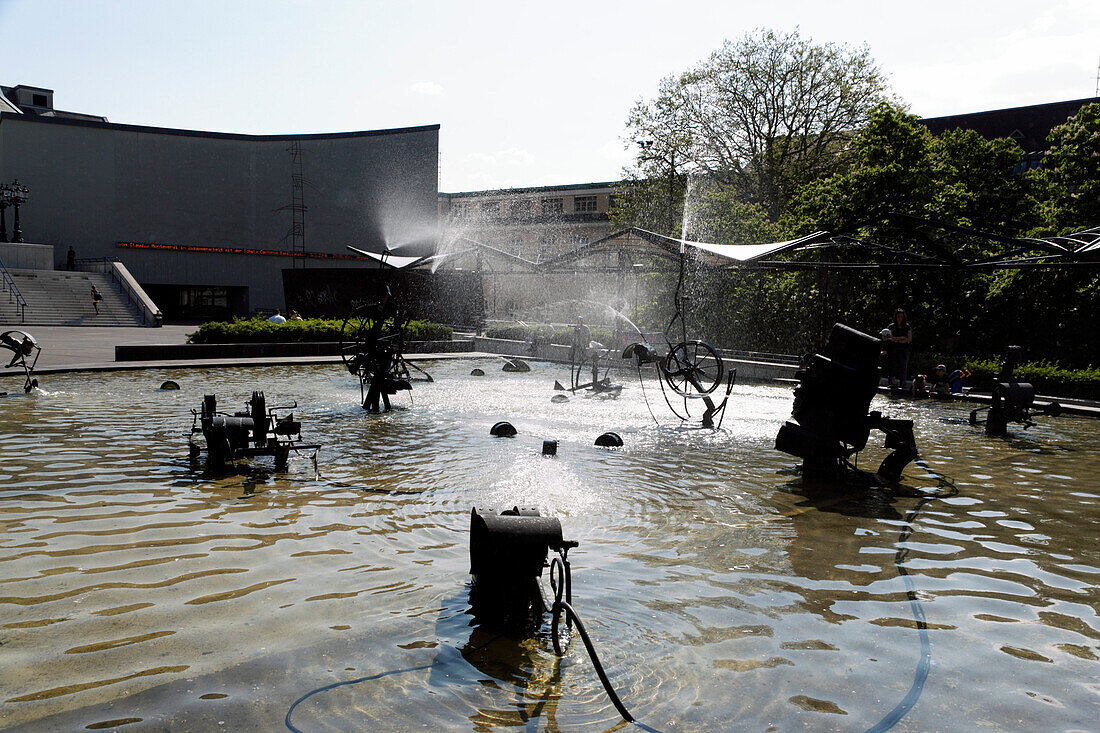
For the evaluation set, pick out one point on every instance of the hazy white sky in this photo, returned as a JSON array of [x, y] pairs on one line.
[[526, 93]]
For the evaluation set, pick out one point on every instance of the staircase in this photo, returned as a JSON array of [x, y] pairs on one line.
[[63, 298]]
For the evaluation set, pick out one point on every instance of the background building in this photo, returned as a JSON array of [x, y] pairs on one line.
[[506, 232], [207, 222], [1028, 126]]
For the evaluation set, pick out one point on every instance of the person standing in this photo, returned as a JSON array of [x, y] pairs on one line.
[[897, 349], [96, 298], [70, 259]]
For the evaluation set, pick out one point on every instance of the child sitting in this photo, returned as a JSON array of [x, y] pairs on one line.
[[941, 383]]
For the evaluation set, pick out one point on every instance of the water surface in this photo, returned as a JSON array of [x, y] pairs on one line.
[[139, 594]]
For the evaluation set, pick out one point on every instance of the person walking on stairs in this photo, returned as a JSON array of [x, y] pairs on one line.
[[96, 297]]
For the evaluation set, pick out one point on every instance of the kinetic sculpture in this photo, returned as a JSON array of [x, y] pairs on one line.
[[693, 370], [22, 346], [831, 411], [257, 431], [372, 346], [585, 353], [1011, 401]]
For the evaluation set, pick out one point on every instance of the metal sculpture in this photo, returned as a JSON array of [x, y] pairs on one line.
[[1011, 401], [257, 431], [584, 353], [372, 346], [508, 553], [831, 404], [23, 346], [692, 369]]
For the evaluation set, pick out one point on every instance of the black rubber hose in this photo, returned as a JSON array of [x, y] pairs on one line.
[[572, 617]]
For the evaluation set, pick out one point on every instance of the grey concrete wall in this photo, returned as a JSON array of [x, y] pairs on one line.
[[26, 256], [93, 185], [746, 369]]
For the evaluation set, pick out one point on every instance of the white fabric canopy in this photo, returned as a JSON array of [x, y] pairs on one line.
[[746, 252]]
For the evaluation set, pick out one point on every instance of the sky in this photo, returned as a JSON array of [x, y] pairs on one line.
[[526, 94]]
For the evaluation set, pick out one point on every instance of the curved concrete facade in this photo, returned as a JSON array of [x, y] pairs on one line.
[[96, 186]]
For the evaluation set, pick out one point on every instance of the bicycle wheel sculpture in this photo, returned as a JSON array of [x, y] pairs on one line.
[[372, 343], [692, 369], [23, 346]]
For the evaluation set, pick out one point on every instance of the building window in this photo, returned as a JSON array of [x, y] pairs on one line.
[[491, 208], [519, 208], [204, 297], [552, 206], [460, 210], [39, 100], [583, 204]]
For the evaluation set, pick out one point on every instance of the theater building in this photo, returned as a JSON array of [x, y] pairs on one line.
[[208, 222]]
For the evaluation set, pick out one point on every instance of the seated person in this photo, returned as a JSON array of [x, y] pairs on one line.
[[955, 379], [941, 383], [919, 387]]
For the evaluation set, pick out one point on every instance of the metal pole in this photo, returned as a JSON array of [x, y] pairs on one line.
[[671, 193]]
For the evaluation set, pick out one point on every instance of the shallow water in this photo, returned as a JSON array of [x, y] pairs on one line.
[[136, 593]]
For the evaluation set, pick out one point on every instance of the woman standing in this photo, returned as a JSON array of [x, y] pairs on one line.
[[897, 349]]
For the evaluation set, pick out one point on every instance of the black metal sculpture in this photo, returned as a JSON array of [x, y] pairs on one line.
[[257, 431], [372, 346], [23, 346], [584, 354], [831, 415], [1011, 401], [693, 370], [508, 552]]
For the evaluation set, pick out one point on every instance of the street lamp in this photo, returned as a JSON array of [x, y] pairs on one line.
[[18, 195], [647, 146], [5, 202]]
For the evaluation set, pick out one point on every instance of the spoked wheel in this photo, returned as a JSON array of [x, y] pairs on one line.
[[693, 368], [369, 328]]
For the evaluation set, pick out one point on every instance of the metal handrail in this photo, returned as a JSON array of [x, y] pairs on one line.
[[14, 295], [135, 295], [760, 356]]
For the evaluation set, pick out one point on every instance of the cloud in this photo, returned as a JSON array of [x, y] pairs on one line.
[[426, 89]]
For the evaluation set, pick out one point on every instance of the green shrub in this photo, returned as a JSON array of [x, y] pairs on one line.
[[260, 330]]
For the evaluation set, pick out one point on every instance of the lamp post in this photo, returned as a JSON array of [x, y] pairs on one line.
[[5, 201], [646, 146], [18, 197]]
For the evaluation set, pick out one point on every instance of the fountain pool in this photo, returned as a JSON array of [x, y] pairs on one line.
[[137, 594]]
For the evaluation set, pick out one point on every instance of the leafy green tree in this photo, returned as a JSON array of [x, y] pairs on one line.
[[1072, 168], [763, 115], [957, 178]]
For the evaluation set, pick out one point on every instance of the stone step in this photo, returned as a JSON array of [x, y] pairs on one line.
[[64, 299]]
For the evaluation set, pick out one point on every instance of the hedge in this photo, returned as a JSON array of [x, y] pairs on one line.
[[260, 330]]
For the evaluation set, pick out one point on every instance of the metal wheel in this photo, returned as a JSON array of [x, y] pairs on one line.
[[693, 368], [370, 328]]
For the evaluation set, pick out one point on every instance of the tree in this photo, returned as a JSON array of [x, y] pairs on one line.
[[962, 179], [1072, 167], [763, 115]]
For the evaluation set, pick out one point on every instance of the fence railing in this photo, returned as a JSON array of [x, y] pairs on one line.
[[7, 283], [127, 285]]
